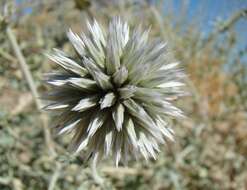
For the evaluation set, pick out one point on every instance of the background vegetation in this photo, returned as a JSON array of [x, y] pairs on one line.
[[210, 149]]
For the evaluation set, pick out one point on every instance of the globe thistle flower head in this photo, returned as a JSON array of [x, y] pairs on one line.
[[116, 95]]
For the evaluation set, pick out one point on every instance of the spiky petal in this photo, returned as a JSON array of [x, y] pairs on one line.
[[117, 99]]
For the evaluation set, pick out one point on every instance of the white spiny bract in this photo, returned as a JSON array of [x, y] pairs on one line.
[[116, 95]]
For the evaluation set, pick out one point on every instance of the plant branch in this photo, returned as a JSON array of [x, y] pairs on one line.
[[7, 56], [55, 177], [23, 66], [27, 74], [225, 26]]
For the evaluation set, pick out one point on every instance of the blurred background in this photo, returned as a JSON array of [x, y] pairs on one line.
[[208, 37]]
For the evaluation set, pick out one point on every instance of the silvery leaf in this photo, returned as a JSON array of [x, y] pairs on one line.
[[118, 116]]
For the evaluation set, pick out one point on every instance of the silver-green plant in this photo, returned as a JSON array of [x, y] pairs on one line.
[[116, 95]]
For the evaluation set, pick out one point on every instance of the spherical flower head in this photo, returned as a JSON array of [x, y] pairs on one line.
[[116, 95]]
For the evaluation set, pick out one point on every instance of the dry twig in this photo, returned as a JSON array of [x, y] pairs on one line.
[[225, 26], [23, 66], [44, 118]]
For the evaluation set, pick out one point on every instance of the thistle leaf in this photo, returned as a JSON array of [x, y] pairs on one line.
[[86, 103], [69, 127], [120, 76], [96, 122], [118, 116], [129, 125], [108, 142], [68, 64], [108, 100], [83, 83], [77, 42], [101, 79], [127, 91]]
